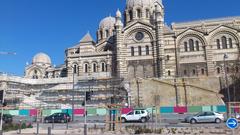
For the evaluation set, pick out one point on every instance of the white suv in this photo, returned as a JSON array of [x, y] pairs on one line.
[[136, 115]]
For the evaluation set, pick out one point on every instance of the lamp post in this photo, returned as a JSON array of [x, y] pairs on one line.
[[73, 79], [225, 56]]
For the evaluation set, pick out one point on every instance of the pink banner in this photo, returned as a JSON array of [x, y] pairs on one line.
[[33, 112], [79, 112], [126, 110], [180, 109]]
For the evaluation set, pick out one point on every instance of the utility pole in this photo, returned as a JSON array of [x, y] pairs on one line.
[[226, 82]]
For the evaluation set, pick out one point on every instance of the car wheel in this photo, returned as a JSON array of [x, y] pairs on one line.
[[193, 121], [218, 120], [46, 121], [62, 121], [123, 120], [143, 120]]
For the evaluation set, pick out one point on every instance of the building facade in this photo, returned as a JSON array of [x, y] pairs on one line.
[[138, 44]]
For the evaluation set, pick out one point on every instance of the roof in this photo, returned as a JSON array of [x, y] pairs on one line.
[[87, 38]]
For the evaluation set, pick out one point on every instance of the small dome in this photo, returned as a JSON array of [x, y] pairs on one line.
[[142, 3], [107, 23], [41, 58]]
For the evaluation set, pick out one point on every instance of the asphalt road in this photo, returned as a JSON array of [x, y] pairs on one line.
[[165, 120]]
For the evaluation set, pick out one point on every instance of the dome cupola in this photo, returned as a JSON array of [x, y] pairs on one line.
[[106, 27], [41, 58]]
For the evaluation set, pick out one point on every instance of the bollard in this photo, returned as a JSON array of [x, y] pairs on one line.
[[20, 127], [49, 131], [67, 123], [37, 127], [52, 122], [85, 129]]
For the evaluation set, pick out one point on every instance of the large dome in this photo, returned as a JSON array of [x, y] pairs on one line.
[[41, 58], [107, 23], [142, 3]]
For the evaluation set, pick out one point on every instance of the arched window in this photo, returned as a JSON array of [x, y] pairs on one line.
[[218, 44], [147, 50], [202, 71], [169, 73], [168, 57], [35, 72], [230, 43], [94, 67], [218, 70], [101, 35], [147, 13], [237, 69], [85, 68], [191, 45], [130, 15], [228, 70], [185, 72], [139, 50], [107, 33], [197, 46], [132, 51], [185, 46], [224, 42], [194, 72], [139, 15], [75, 69], [103, 67]]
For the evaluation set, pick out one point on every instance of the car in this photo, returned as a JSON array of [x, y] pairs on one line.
[[203, 117], [140, 115], [7, 118], [58, 117]]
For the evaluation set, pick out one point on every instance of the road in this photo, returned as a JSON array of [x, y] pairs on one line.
[[166, 120]]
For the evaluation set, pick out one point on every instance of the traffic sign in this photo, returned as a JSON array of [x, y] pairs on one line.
[[232, 123]]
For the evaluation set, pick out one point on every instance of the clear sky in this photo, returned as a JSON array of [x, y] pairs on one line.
[[50, 26]]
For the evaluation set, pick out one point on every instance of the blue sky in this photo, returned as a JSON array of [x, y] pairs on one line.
[[50, 26]]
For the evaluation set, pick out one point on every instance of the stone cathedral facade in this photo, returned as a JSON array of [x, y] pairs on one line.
[[137, 43]]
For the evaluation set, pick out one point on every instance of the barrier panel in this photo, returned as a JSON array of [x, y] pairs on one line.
[[206, 108], [166, 110], [180, 109], [126, 110], [79, 112], [13, 112], [151, 110], [33, 112], [101, 111], [5, 111], [24, 112], [194, 109], [214, 108], [91, 111], [46, 112], [69, 111], [56, 111]]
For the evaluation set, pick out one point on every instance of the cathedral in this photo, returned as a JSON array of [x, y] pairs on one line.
[[138, 44]]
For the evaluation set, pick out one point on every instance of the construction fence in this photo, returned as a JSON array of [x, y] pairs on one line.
[[103, 111]]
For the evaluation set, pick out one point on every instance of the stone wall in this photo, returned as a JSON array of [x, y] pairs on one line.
[[183, 91]]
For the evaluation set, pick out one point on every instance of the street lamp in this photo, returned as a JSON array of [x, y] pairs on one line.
[[225, 56], [73, 79]]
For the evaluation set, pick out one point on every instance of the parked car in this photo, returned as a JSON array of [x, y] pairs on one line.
[[205, 117], [141, 115], [58, 117], [7, 118]]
